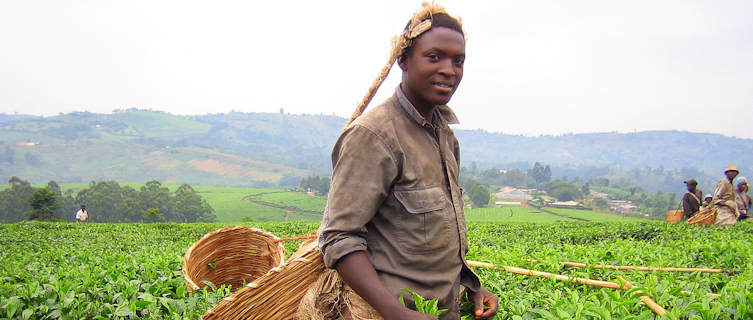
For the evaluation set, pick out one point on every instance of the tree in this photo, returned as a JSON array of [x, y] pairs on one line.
[[191, 207], [152, 215], [14, 202], [600, 203], [479, 196], [564, 191], [43, 203], [316, 183], [586, 189], [540, 173]]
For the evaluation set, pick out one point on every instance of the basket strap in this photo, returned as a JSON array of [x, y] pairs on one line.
[[304, 237], [695, 197]]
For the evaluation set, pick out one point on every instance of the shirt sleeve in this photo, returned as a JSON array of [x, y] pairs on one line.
[[686, 205], [364, 170]]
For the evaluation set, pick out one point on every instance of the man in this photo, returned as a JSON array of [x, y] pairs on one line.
[[724, 198], [707, 200], [394, 215], [742, 198], [691, 201], [82, 215]]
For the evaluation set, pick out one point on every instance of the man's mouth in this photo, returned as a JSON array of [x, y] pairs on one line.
[[443, 85]]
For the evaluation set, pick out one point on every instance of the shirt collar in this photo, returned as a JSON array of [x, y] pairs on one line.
[[442, 113]]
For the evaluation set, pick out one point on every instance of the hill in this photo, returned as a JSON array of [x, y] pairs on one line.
[[277, 149]]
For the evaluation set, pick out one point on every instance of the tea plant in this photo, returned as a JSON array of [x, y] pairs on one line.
[[129, 271]]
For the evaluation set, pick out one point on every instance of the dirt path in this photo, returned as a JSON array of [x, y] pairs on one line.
[[288, 210], [525, 204]]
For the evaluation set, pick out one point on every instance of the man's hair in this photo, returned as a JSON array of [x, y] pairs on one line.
[[439, 20], [431, 16]]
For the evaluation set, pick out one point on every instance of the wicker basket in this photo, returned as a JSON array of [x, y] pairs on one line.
[[705, 217], [231, 256], [275, 295], [674, 216]]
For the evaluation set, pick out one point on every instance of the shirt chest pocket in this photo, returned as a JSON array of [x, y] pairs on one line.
[[424, 227]]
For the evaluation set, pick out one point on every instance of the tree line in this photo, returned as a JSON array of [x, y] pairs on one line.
[[564, 189], [106, 201]]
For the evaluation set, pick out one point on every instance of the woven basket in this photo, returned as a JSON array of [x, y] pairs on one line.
[[705, 217], [674, 216], [275, 295], [231, 256]]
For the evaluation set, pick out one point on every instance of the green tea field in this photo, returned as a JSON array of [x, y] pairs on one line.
[[129, 271]]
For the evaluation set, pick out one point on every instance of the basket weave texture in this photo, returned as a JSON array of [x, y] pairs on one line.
[[275, 295], [674, 216], [705, 217], [231, 256]]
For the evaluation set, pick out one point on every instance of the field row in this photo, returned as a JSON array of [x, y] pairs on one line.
[[108, 271]]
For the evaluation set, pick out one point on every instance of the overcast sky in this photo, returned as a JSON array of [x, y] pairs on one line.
[[533, 67]]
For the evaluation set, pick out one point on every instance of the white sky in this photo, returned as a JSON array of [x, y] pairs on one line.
[[533, 67]]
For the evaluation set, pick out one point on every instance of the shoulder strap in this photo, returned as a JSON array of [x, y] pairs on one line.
[[694, 197]]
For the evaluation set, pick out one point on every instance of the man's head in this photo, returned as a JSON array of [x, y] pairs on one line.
[[708, 197], [691, 185], [731, 172], [742, 184], [425, 86], [433, 63], [83, 207]]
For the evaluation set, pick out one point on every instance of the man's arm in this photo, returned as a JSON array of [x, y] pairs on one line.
[[358, 272], [686, 205]]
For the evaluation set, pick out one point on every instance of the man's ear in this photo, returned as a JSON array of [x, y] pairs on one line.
[[401, 62]]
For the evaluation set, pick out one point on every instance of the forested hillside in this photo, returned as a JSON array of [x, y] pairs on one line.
[[279, 149]]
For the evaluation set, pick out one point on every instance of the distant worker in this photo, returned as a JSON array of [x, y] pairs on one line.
[[691, 201], [724, 198], [742, 198], [82, 215], [707, 200]]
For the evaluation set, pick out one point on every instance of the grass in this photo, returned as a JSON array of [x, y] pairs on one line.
[[519, 214], [229, 204], [592, 215], [293, 199]]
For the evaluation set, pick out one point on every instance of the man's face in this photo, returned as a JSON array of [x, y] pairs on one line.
[[434, 67], [691, 187], [731, 174]]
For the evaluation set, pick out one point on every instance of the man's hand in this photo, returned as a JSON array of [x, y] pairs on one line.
[[480, 299], [358, 272]]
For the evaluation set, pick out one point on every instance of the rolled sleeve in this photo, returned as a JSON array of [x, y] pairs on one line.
[[363, 172]]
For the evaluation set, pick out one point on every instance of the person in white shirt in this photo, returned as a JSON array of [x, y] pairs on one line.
[[82, 215]]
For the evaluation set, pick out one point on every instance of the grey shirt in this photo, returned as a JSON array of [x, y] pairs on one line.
[[395, 196]]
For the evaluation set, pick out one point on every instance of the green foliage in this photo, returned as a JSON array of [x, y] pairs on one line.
[[43, 202], [540, 174], [315, 183], [599, 203], [423, 305], [564, 191], [152, 215], [106, 201], [14, 200], [516, 214], [108, 271], [479, 196]]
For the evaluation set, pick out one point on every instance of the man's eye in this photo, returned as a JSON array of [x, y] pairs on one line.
[[433, 57], [459, 62]]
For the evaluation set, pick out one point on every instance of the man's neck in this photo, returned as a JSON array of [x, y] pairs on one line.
[[424, 109]]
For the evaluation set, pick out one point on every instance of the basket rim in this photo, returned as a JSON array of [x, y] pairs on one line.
[[188, 254]]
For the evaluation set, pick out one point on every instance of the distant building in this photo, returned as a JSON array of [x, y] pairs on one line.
[[507, 203], [621, 206], [26, 144], [596, 194], [512, 193]]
